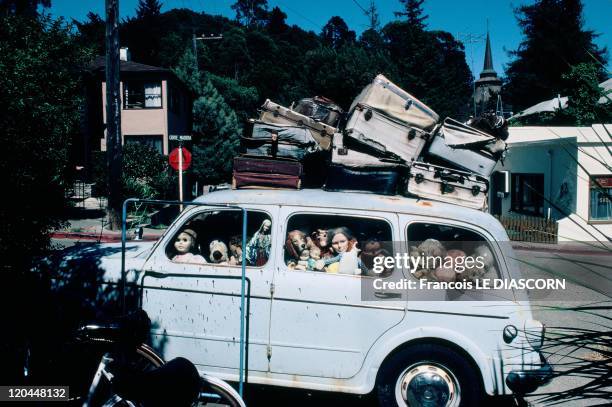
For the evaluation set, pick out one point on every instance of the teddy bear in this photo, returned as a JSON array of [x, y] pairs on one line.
[[218, 252], [428, 248]]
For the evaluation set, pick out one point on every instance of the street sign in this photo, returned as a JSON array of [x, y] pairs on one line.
[[179, 137], [174, 159]]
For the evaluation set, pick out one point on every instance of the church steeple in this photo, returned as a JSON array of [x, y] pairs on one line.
[[488, 86], [487, 69]]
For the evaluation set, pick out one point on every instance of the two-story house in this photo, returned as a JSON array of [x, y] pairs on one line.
[[154, 105]]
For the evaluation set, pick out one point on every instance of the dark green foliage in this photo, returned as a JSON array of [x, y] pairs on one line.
[[26, 8], [433, 67], [554, 40], [146, 173], [40, 95], [413, 12], [91, 33], [336, 34], [216, 127], [251, 12], [581, 86], [148, 8], [276, 22]]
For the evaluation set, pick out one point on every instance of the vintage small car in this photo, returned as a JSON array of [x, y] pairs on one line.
[[333, 331]]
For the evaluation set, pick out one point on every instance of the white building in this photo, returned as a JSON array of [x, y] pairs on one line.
[[564, 173]]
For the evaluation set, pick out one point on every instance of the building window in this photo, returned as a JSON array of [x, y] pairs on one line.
[[153, 141], [528, 194], [142, 95], [600, 198], [174, 99]]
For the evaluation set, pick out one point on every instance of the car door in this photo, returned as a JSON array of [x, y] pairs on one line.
[[322, 324], [195, 307]]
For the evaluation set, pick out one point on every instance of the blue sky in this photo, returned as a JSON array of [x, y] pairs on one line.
[[459, 18]]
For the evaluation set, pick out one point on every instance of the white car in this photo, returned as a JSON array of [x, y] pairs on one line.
[[323, 328]]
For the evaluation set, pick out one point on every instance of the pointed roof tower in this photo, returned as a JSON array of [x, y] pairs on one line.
[[488, 84], [487, 69]]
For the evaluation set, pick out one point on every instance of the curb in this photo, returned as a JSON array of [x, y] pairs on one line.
[[585, 252], [102, 238]]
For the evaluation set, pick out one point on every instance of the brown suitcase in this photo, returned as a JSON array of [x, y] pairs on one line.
[[254, 180], [267, 166], [274, 113]]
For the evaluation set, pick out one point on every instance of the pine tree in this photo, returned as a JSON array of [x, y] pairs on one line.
[[554, 40], [250, 12], [148, 8], [336, 33], [215, 126], [413, 11]]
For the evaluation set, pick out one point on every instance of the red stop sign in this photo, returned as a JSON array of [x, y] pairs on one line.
[[173, 158]]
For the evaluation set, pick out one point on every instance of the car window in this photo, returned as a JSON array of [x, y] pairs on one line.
[[215, 237], [336, 243], [449, 253]]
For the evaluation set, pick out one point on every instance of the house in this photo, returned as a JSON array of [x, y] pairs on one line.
[[561, 173], [154, 105]]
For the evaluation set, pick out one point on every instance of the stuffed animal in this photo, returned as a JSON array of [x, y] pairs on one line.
[[319, 239], [431, 248], [294, 246], [373, 249], [218, 252], [235, 250]]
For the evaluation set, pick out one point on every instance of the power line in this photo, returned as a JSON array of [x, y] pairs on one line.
[[302, 16]]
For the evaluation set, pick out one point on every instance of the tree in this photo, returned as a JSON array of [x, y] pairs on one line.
[[276, 22], [413, 11], [27, 8], [215, 126], [92, 33], [250, 12], [40, 95], [336, 33], [554, 40], [148, 8]]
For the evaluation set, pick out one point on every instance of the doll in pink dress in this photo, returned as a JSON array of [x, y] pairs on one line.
[[185, 245]]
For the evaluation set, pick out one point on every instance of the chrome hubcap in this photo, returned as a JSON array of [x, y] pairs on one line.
[[427, 385]]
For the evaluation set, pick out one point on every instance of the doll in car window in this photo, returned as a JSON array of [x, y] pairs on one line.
[[345, 258], [186, 247], [258, 248]]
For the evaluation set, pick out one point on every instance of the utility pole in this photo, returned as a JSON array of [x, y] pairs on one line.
[[209, 37], [471, 38], [113, 114]]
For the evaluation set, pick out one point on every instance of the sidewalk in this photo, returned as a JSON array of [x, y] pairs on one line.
[[578, 248], [88, 223]]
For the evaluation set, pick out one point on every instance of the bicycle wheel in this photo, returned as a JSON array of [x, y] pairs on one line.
[[219, 392]]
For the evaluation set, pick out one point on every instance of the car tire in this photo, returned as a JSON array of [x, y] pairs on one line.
[[428, 375]]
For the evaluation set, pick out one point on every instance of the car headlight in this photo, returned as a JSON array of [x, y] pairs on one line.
[[534, 332]]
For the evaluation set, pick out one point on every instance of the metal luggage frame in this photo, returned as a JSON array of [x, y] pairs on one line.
[[245, 292]]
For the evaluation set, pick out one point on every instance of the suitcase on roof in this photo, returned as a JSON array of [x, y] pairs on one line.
[[378, 180], [351, 157], [320, 109], [278, 141], [387, 136], [464, 147], [276, 114], [257, 172], [388, 98], [447, 185]]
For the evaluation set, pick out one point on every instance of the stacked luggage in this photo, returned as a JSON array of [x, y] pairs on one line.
[[286, 148], [391, 143]]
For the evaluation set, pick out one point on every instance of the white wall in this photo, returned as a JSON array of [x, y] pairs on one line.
[[566, 156]]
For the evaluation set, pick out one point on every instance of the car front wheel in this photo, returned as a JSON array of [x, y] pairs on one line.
[[428, 375]]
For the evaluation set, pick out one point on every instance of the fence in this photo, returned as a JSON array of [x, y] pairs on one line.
[[530, 229]]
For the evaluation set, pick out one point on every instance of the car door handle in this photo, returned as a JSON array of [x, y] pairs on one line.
[[383, 294]]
